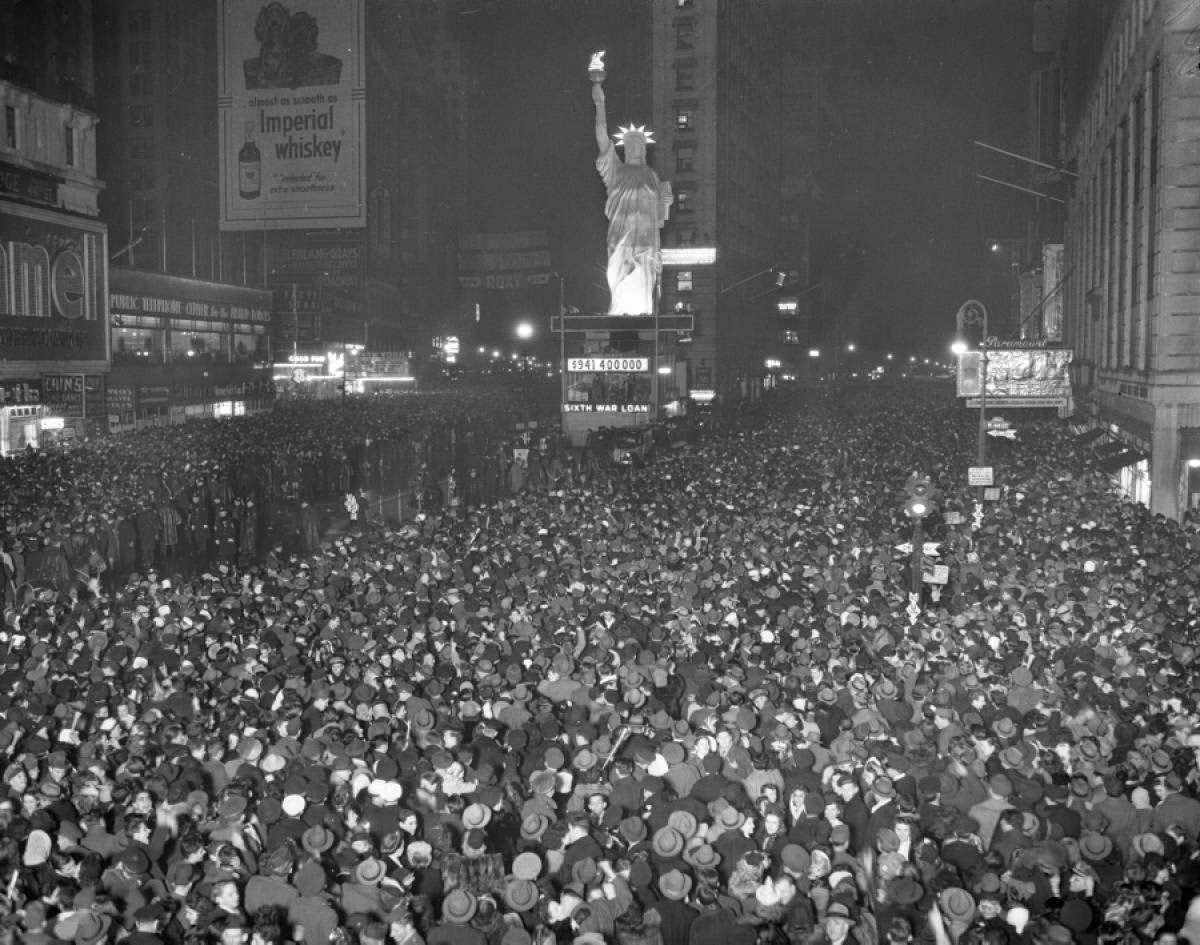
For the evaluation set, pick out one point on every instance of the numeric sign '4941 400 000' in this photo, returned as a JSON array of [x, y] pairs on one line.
[[609, 364]]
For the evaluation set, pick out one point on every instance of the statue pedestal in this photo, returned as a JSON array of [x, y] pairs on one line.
[[618, 370]]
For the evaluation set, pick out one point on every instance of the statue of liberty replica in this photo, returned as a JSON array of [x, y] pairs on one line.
[[637, 207]]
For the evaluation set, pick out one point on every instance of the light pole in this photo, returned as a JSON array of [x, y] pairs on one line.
[[970, 314], [524, 332]]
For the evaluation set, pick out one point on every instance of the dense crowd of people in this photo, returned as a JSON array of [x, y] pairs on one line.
[[225, 491], [682, 706]]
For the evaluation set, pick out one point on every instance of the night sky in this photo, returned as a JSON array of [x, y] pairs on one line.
[[910, 84]]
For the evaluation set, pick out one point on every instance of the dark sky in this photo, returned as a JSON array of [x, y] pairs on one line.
[[911, 82]]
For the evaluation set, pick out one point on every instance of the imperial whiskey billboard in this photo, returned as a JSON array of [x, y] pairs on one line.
[[291, 110]]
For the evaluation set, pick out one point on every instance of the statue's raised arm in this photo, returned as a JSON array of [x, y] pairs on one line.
[[596, 73], [602, 139]]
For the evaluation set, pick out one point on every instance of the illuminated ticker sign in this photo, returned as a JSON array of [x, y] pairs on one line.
[[614, 365]]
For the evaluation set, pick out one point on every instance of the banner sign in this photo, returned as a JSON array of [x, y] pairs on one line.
[[503, 260], [606, 408], [52, 304], [291, 110], [1018, 376]]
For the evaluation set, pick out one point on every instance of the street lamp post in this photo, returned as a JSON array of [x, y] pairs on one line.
[[981, 448], [524, 332], [970, 314]]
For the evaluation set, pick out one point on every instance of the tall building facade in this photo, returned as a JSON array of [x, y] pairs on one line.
[[1133, 291], [53, 245], [717, 95]]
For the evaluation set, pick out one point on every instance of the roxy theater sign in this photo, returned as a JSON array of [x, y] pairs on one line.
[[41, 282]]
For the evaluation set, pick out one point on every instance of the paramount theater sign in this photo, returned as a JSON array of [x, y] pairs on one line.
[[51, 281]]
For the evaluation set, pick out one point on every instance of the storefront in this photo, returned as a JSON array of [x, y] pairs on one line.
[[53, 316], [184, 349]]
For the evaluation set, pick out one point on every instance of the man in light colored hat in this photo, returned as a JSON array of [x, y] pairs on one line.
[[677, 915]]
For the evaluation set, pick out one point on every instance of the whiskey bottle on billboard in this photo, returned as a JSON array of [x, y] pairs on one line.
[[249, 167]]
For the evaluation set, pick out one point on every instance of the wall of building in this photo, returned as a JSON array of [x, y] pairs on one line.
[[716, 105], [1133, 305]]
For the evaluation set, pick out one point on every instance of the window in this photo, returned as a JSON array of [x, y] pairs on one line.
[[140, 149], [144, 210], [683, 4], [685, 160], [685, 78], [141, 83], [683, 280], [69, 142], [139, 21], [140, 177], [683, 202], [685, 237], [141, 116], [685, 34], [684, 121], [791, 336], [10, 126], [140, 54]]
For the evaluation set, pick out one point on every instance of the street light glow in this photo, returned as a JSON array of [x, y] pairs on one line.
[[889, 355], [959, 347], [524, 331], [852, 347]]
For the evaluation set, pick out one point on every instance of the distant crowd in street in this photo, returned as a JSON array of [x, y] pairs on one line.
[[594, 703]]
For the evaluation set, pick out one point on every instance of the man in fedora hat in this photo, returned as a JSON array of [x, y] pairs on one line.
[[677, 915], [837, 926], [458, 908]]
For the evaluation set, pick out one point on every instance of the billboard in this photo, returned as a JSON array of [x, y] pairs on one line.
[[503, 260], [317, 275], [52, 297], [1018, 377], [291, 108]]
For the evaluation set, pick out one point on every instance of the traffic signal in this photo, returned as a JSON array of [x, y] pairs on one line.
[[919, 501]]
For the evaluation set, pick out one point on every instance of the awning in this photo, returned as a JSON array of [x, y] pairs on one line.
[[1119, 461], [1090, 436]]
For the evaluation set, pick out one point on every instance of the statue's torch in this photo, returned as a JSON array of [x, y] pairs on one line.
[[596, 67]]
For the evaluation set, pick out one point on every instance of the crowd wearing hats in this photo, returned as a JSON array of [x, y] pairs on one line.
[[688, 707], [214, 492]]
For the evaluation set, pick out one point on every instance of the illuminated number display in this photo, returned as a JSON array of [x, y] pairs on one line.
[[613, 365]]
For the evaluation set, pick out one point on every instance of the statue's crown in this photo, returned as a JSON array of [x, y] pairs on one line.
[[640, 130]]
